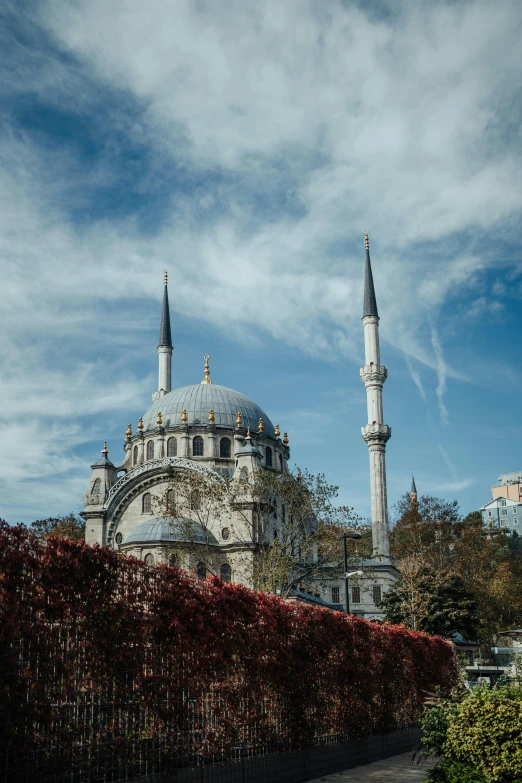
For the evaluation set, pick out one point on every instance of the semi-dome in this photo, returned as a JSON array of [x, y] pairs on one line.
[[198, 399], [164, 530]]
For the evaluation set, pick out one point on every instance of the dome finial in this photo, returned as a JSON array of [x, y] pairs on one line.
[[206, 379], [211, 417], [239, 419], [184, 417], [159, 419], [248, 436], [366, 242], [128, 433], [140, 424], [261, 425], [165, 277], [105, 450], [277, 431], [285, 438]]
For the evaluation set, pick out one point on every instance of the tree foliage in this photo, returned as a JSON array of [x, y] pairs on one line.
[[65, 526], [480, 572]]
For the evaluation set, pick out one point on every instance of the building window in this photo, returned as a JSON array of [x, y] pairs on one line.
[[149, 559], [268, 457], [515, 521], [96, 487], [201, 570], [197, 446], [224, 448], [503, 512], [376, 590], [146, 505], [119, 538], [150, 449], [335, 595], [225, 534], [171, 502], [226, 573], [515, 510], [172, 447], [490, 513], [281, 462], [503, 503], [356, 595], [173, 561], [135, 455]]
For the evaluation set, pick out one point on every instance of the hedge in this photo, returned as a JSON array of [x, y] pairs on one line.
[[111, 669]]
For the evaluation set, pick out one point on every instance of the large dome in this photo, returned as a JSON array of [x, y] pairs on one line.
[[163, 530], [198, 399]]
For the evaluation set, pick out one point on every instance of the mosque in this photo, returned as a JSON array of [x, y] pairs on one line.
[[207, 431]]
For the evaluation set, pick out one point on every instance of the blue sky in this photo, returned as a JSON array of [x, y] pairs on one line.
[[246, 147]]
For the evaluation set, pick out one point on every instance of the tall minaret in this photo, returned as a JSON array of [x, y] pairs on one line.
[[413, 493], [375, 433], [164, 346]]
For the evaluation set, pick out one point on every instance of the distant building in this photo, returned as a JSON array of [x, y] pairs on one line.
[[505, 510]]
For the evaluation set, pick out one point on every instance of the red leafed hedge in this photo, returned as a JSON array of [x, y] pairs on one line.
[[110, 669]]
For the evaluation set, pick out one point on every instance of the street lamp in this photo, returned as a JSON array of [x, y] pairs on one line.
[[346, 535]]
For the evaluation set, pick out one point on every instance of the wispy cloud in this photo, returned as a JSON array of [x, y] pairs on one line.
[[441, 374]]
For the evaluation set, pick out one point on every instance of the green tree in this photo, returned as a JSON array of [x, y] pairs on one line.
[[64, 526], [436, 602]]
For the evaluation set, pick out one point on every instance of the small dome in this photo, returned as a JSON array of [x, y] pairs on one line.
[[198, 399], [165, 530]]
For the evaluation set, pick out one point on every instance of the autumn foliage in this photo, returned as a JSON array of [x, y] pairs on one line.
[[110, 669]]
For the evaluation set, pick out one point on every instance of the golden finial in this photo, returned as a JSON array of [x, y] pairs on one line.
[[140, 424], [159, 420], [239, 419], [285, 438], [277, 431], [261, 425], [206, 379], [184, 417], [366, 242], [105, 450], [165, 277], [128, 433], [248, 436], [211, 418]]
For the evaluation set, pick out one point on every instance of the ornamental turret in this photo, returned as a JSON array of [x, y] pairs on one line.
[[164, 346], [375, 433], [104, 476]]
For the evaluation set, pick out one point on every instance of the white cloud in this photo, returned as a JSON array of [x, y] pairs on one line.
[[303, 124]]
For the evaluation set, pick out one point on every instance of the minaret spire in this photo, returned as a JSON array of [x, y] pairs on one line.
[[413, 492], [164, 345], [375, 433]]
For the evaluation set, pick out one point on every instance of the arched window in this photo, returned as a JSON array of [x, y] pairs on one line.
[[150, 449], [224, 448], [201, 570], [135, 455], [149, 559], [226, 573], [172, 447], [171, 502], [197, 446], [268, 457], [119, 539], [96, 487], [146, 504], [281, 462]]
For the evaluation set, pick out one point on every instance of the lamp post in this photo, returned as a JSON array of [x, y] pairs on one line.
[[346, 535]]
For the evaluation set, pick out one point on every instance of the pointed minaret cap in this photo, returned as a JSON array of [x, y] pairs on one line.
[[370, 302], [413, 487], [165, 336]]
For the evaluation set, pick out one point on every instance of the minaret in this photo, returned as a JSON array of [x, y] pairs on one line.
[[375, 433], [413, 493], [164, 346]]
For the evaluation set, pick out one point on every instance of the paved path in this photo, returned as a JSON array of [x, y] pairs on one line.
[[397, 769]]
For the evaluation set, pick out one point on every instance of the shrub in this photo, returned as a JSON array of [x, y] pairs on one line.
[[486, 733]]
